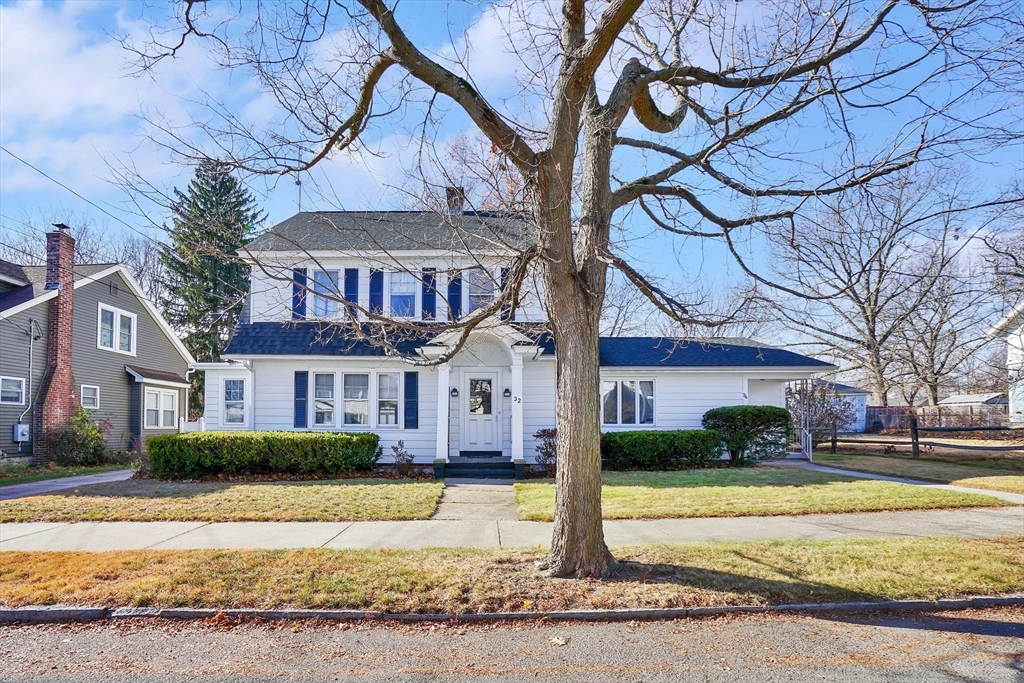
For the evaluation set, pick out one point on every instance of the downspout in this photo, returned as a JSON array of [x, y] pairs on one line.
[[31, 357]]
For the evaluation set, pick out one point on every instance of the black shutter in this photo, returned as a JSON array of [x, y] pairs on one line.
[[377, 291], [301, 394], [299, 294], [412, 400], [455, 297], [508, 311], [429, 297], [352, 288]]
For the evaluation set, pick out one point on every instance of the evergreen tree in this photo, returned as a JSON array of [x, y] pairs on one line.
[[205, 280]]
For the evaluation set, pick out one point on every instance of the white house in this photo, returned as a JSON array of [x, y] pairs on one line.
[[289, 367], [1011, 328], [858, 398]]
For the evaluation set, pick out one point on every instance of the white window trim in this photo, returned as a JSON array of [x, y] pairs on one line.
[[417, 295], [618, 402], [467, 287], [81, 395], [117, 327], [21, 380], [332, 300], [160, 408], [372, 399], [245, 404]]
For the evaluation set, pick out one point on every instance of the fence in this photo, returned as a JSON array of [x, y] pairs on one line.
[[197, 426], [886, 418]]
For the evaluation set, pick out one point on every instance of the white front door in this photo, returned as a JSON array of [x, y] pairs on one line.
[[480, 410]]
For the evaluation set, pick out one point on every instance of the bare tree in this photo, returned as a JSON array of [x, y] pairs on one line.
[[681, 110]]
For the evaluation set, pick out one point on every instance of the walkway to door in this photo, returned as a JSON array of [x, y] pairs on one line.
[[477, 499]]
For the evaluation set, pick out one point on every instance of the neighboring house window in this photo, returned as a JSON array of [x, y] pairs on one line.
[[116, 330], [480, 288], [325, 290], [387, 399], [357, 399], [161, 409], [234, 401], [12, 391], [90, 396], [403, 295], [323, 399], [627, 402]]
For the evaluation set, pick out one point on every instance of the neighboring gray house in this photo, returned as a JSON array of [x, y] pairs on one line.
[[989, 399], [84, 335], [858, 398]]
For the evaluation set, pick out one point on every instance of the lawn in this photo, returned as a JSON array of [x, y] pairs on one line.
[[27, 475], [149, 500], [1005, 475], [744, 491], [465, 580]]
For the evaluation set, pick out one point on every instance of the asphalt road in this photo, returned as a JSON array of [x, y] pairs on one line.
[[982, 645]]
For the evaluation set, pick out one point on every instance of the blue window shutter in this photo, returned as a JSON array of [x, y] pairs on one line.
[[508, 311], [429, 297], [412, 400], [377, 291], [352, 287], [299, 294], [455, 297], [301, 394]]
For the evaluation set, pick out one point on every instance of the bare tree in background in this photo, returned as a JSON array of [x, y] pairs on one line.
[[688, 112]]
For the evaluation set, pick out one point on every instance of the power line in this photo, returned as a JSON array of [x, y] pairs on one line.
[[20, 251]]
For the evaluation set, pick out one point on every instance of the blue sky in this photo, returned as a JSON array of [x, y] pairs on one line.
[[70, 105]]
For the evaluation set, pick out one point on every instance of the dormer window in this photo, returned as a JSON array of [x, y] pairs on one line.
[[325, 293], [480, 288], [403, 295]]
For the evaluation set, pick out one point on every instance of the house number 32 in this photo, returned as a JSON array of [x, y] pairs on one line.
[[517, 399]]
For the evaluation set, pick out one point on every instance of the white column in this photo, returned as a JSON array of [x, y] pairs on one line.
[[443, 427], [517, 407]]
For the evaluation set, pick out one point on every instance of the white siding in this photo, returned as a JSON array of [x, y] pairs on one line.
[[1015, 365], [538, 402], [766, 392], [680, 397]]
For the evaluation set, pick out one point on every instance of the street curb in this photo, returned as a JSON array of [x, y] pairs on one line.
[[58, 614]]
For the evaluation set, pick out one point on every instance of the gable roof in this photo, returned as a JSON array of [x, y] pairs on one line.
[[35, 279], [12, 273], [1009, 322], [394, 231], [842, 388], [960, 399], [311, 338]]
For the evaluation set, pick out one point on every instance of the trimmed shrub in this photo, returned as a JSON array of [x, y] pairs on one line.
[[668, 450], [547, 449], [199, 454], [80, 441], [751, 433]]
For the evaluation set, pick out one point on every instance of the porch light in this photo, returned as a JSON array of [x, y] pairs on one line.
[[455, 392], [507, 393]]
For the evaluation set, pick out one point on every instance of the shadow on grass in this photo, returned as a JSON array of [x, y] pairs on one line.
[[160, 488], [752, 477]]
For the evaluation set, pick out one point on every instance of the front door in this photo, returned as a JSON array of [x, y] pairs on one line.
[[480, 408]]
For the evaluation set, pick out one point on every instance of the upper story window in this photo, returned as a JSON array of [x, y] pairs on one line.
[[325, 293], [403, 295], [116, 330], [12, 390], [479, 289], [627, 402]]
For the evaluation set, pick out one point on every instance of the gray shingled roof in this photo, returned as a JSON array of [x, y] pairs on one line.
[[12, 270], [393, 231], [36, 278]]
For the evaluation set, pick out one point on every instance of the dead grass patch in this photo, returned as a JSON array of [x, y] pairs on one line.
[[149, 500], [471, 580], [995, 475], [748, 491]]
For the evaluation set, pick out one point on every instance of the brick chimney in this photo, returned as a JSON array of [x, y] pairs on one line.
[[58, 392], [456, 199]]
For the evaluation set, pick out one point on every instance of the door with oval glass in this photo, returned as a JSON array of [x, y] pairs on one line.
[[480, 409]]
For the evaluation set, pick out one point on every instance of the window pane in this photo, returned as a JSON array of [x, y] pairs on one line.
[[152, 409], [234, 390], [170, 407], [323, 386], [387, 386], [11, 390], [125, 337], [629, 403], [90, 397], [357, 412], [403, 295], [646, 403], [323, 395], [325, 282], [357, 386], [387, 413], [234, 412], [107, 329], [610, 403], [481, 288], [480, 396]]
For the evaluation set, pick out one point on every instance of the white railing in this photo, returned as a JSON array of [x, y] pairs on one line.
[[197, 426], [806, 443]]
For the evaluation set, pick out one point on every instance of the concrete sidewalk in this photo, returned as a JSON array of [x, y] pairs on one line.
[[37, 488], [1015, 498], [438, 533]]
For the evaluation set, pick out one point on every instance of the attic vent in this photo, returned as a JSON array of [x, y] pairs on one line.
[[113, 287]]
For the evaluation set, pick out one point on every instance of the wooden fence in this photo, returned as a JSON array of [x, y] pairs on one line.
[[889, 418]]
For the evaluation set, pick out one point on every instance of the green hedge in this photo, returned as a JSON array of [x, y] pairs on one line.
[[198, 454], [664, 450], [751, 433]]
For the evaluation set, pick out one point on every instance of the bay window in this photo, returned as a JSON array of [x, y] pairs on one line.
[[627, 402]]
